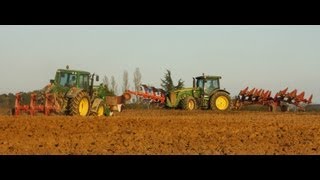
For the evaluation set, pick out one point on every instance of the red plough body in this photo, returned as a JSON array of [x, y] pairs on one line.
[[33, 107], [150, 94], [263, 97]]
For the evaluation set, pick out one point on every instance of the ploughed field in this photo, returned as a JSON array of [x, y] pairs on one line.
[[165, 132]]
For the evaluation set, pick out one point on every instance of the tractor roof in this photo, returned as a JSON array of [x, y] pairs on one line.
[[208, 77], [71, 70]]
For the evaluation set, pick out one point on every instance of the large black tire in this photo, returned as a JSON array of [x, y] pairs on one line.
[[189, 103], [80, 105], [220, 101]]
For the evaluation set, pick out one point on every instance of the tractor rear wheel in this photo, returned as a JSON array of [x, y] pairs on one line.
[[80, 105], [220, 101], [189, 103]]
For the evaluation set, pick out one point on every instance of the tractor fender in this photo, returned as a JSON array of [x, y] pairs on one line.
[[73, 92], [95, 104], [219, 90]]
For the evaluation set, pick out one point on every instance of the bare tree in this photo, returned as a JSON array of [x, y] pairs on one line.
[[137, 79], [106, 87], [106, 82], [137, 82], [125, 81], [113, 85]]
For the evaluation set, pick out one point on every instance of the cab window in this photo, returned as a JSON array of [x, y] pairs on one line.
[[211, 85], [63, 79], [200, 83], [83, 81], [68, 79]]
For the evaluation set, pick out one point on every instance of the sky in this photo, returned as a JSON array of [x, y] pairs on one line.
[[268, 57]]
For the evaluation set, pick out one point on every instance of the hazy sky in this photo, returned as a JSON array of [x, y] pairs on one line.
[[269, 57]]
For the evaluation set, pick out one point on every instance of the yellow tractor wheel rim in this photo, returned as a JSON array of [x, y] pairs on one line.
[[222, 103], [84, 107], [191, 105], [100, 111]]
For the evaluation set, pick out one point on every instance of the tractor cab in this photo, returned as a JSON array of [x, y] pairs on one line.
[[72, 78], [207, 84]]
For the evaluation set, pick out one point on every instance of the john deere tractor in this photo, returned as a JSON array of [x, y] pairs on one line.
[[72, 93], [205, 94]]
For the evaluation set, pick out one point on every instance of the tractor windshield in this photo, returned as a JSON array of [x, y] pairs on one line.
[[208, 85], [211, 84], [68, 79]]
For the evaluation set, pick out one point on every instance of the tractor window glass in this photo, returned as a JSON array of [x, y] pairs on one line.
[[200, 83], [63, 79], [72, 80], [68, 79], [81, 81], [211, 85], [85, 81]]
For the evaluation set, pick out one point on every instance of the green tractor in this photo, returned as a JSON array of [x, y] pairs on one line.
[[205, 94], [72, 93]]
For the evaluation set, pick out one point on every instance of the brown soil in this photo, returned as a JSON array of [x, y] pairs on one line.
[[171, 132]]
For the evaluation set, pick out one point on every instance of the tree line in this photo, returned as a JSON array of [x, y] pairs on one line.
[[166, 83], [112, 87]]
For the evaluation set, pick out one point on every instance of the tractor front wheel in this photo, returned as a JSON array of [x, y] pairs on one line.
[[189, 103], [101, 109]]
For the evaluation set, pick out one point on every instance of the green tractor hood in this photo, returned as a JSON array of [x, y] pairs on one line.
[[174, 97]]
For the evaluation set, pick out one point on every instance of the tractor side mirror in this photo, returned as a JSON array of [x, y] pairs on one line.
[[51, 81], [97, 78]]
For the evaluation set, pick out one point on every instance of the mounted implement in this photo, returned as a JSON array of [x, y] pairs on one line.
[[282, 99], [150, 95]]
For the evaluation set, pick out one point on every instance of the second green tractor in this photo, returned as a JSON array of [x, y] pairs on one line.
[[205, 94]]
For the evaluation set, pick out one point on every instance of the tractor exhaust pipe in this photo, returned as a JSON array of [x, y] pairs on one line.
[[91, 86], [194, 83]]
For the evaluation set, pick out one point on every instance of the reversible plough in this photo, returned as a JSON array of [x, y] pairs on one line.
[[150, 94], [282, 99], [34, 107]]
